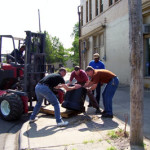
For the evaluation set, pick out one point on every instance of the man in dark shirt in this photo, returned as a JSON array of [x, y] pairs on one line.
[[44, 90], [18, 54], [111, 81]]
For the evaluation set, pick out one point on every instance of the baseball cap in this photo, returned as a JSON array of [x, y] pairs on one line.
[[96, 55], [76, 68]]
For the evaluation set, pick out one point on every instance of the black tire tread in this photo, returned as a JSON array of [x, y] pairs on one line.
[[16, 106]]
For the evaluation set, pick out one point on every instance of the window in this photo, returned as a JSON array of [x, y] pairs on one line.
[[147, 58], [90, 10], [101, 6], [101, 40], [86, 11], [81, 15], [95, 44], [96, 7], [110, 2]]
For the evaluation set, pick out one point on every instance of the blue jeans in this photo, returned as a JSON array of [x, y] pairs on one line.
[[43, 91], [108, 94]]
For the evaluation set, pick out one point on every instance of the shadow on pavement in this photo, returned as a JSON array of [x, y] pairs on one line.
[[91, 123]]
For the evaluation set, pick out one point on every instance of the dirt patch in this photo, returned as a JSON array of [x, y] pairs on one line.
[[119, 139]]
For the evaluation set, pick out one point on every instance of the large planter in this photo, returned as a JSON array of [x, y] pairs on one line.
[[74, 100]]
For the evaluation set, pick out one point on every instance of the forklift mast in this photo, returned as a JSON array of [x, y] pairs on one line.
[[35, 62]]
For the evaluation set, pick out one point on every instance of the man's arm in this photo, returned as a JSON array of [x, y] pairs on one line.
[[71, 78], [84, 75], [90, 86], [68, 88]]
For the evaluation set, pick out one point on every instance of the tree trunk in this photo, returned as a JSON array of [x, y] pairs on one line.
[[136, 62]]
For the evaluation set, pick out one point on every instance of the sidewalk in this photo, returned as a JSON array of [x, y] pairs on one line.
[[86, 131]]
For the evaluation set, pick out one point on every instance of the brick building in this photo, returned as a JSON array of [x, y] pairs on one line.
[[105, 29]]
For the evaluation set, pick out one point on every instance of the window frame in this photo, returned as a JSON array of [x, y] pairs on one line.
[[110, 2], [96, 8], [147, 58], [101, 6], [86, 11], [90, 10], [81, 15]]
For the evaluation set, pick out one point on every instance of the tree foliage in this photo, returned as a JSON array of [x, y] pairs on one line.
[[55, 52], [54, 49], [75, 45]]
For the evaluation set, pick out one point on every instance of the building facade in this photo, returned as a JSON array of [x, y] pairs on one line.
[[104, 27]]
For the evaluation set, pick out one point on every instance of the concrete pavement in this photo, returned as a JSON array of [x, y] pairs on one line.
[[86, 131]]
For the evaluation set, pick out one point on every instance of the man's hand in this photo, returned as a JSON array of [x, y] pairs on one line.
[[77, 86], [68, 84], [58, 86], [88, 88]]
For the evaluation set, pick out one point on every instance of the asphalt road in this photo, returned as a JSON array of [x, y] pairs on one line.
[[9, 132]]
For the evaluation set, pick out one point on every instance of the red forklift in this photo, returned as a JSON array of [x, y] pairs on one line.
[[17, 81]]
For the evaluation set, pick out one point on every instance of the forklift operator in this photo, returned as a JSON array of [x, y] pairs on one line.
[[18, 54]]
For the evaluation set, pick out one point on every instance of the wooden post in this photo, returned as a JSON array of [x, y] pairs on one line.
[[136, 62]]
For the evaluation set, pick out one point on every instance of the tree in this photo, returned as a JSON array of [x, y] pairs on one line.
[[136, 61], [58, 50], [75, 44], [48, 48], [54, 49]]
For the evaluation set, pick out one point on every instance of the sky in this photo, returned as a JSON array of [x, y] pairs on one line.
[[57, 17]]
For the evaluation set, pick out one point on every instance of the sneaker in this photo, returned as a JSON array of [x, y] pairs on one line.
[[98, 111], [33, 120], [104, 112], [62, 124]]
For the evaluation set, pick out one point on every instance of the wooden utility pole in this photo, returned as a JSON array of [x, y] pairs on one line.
[[136, 62]]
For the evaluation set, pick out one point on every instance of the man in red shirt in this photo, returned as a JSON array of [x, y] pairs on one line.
[[111, 81], [80, 76], [82, 79]]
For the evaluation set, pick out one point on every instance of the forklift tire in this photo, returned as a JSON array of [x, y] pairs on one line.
[[11, 107]]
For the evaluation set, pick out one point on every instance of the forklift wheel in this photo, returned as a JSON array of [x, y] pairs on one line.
[[11, 107]]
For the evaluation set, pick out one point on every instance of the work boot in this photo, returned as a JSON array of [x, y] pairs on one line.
[[107, 116], [104, 112], [98, 111], [89, 105]]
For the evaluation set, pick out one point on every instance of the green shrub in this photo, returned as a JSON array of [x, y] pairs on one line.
[[113, 134], [69, 69]]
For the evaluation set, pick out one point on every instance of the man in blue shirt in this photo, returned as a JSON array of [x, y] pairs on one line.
[[97, 64]]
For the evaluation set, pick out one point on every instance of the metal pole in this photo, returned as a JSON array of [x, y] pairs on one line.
[[39, 21]]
